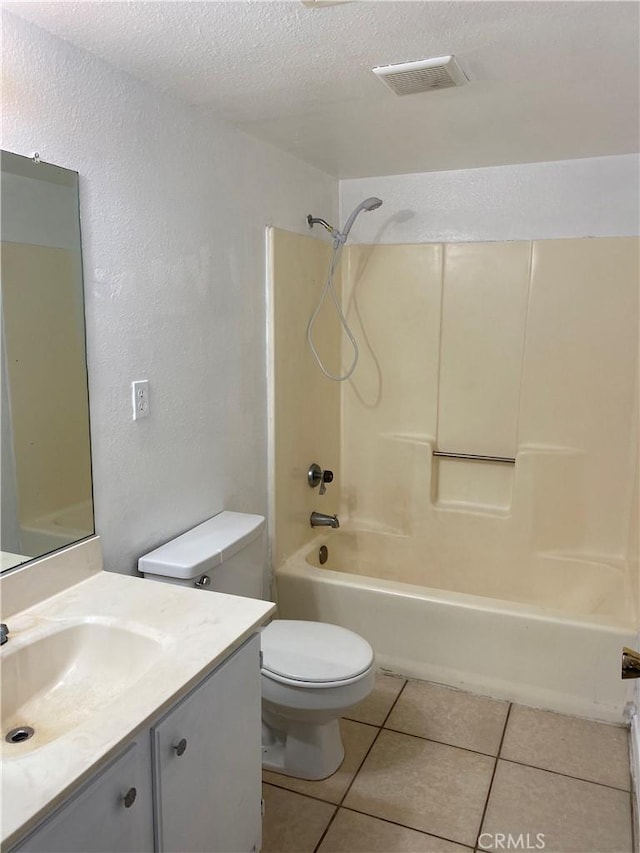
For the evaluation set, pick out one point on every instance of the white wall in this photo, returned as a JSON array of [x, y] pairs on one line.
[[173, 207], [43, 213], [595, 197]]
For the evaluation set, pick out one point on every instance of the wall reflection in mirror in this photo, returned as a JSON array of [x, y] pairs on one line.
[[46, 462]]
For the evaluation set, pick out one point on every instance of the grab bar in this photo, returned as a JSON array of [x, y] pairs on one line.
[[509, 460]]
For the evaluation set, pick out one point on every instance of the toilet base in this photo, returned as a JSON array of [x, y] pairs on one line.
[[303, 750]]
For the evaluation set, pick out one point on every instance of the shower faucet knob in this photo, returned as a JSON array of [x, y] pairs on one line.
[[317, 477], [327, 477], [314, 475]]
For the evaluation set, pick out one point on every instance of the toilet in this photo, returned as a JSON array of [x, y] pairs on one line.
[[312, 672]]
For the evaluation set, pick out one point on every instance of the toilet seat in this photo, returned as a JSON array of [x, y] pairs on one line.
[[313, 654]]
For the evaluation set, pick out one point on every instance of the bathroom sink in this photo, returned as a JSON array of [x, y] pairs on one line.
[[52, 683]]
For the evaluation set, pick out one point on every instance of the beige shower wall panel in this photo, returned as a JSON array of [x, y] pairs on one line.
[[392, 298], [579, 385], [483, 321], [306, 405]]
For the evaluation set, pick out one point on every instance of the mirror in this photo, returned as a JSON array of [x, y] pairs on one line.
[[46, 458]]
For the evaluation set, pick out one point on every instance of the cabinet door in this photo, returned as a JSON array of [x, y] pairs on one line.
[[113, 812], [207, 762]]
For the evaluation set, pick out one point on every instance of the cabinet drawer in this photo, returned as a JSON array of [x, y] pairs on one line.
[[113, 812]]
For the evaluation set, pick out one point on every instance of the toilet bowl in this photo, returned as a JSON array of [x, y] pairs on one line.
[[311, 672]]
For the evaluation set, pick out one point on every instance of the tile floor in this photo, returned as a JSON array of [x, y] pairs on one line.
[[429, 769]]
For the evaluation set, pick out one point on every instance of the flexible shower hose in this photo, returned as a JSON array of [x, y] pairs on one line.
[[328, 286]]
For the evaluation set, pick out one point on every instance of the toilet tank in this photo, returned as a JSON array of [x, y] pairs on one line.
[[228, 549]]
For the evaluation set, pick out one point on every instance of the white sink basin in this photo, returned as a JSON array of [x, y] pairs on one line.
[[57, 680]]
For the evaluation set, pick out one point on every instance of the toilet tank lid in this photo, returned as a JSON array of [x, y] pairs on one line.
[[203, 547]]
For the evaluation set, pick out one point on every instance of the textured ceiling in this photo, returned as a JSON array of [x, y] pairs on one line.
[[549, 80]]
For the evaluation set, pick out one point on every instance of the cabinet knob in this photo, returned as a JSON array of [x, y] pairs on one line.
[[129, 798], [181, 747]]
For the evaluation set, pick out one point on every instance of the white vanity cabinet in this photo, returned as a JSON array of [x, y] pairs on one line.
[[112, 812], [190, 783], [207, 762]]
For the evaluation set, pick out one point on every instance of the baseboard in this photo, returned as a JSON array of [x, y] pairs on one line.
[[634, 746]]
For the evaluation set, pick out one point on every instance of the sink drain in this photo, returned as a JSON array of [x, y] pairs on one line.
[[20, 734]]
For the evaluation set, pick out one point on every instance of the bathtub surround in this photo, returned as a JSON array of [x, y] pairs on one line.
[[524, 350], [304, 404], [173, 208], [506, 349]]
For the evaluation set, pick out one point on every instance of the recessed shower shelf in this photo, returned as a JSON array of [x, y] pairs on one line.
[[459, 484]]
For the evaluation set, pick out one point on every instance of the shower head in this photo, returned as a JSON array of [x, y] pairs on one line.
[[367, 204], [340, 237]]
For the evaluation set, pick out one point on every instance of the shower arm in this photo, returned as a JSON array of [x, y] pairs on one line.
[[316, 220]]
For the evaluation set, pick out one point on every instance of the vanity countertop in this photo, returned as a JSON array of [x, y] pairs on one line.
[[192, 631]]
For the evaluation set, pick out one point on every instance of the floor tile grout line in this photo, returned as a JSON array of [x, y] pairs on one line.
[[353, 778], [332, 818], [393, 704], [309, 796], [504, 730], [406, 826], [565, 775], [442, 743], [493, 776], [359, 767], [326, 829]]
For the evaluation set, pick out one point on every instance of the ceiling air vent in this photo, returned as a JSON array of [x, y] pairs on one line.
[[409, 78]]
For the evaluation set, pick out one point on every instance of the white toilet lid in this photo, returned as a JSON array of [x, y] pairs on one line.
[[313, 652]]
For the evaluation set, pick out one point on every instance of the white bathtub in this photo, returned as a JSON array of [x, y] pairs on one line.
[[565, 659]]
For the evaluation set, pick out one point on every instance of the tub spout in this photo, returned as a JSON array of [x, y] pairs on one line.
[[320, 519]]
